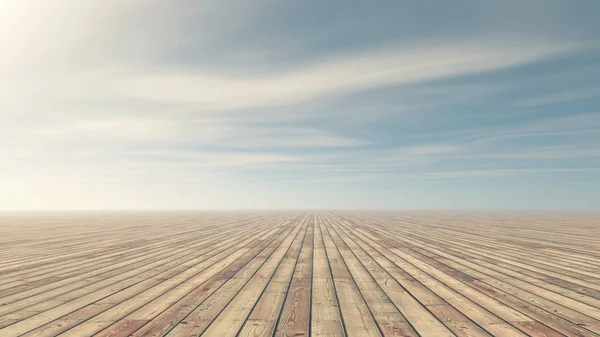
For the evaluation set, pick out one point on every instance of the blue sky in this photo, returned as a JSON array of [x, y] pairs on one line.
[[147, 104]]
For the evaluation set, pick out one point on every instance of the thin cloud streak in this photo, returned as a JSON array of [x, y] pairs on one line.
[[140, 102], [500, 173], [378, 68]]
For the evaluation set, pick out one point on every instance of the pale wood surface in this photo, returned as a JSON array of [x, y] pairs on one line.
[[292, 273]]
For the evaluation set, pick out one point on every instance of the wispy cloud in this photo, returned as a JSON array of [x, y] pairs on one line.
[[209, 90], [584, 123], [560, 97], [107, 99], [429, 149], [501, 172], [132, 129], [216, 160], [538, 153]]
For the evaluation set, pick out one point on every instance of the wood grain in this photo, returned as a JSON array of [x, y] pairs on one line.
[[292, 273]]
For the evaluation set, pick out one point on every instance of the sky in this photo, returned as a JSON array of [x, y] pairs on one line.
[[271, 104]]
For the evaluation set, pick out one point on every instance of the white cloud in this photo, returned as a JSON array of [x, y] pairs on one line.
[[196, 131], [469, 174], [563, 125], [545, 152], [499, 172], [181, 158], [559, 97], [288, 137], [89, 93], [128, 128], [410, 156], [210, 90], [434, 149]]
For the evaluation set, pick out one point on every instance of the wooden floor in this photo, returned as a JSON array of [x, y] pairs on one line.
[[300, 274]]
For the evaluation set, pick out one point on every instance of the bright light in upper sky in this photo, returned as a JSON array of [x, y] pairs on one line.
[[287, 104], [7, 7]]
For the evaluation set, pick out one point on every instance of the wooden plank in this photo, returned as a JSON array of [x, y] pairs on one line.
[[260, 299], [288, 273], [356, 315], [326, 319], [197, 321], [294, 318]]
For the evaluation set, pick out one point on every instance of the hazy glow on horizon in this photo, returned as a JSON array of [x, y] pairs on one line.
[[145, 104]]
